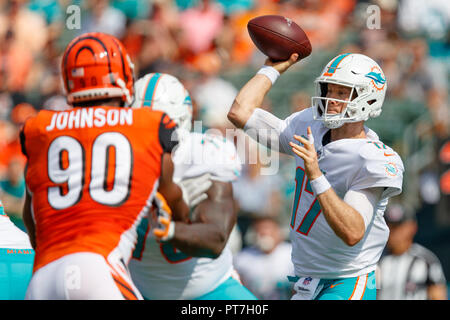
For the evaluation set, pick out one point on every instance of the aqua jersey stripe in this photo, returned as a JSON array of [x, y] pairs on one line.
[[142, 230], [148, 96], [335, 63], [309, 218], [2, 211], [188, 101]]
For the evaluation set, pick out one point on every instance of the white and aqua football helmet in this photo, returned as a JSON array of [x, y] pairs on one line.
[[358, 72], [164, 92]]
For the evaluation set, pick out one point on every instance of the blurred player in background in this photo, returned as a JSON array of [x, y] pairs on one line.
[[344, 177], [264, 264], [195, 261], [92, 173], [16, 259], [408, 270]]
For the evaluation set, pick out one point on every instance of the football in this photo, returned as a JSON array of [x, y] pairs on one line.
[[278, 37]]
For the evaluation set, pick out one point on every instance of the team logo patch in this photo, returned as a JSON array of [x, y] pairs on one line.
[[307, 281], [391, 169], [377, 78]]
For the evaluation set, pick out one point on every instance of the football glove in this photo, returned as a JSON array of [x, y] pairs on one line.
[[163, 228], [194, 189]]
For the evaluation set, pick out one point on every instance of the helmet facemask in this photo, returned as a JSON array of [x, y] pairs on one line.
[[356, 107]]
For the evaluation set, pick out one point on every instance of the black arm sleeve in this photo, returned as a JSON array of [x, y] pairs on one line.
[[168, 137]]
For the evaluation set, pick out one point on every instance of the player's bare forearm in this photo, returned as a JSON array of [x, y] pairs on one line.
[[197, 240], [180, 209], [345, 221], [28, 221], [171, 191], [211, 225]]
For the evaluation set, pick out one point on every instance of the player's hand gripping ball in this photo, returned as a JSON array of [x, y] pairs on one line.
[[278, 37]]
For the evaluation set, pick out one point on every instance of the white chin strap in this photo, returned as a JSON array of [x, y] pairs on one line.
[[331, 123], [125, 91]]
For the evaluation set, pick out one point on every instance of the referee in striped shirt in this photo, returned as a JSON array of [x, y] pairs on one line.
[[407, 270]]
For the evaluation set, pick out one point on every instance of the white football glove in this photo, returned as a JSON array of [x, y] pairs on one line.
[[194, 189]]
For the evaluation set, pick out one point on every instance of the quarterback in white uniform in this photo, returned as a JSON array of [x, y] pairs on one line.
[[344, 174], [200, 271]]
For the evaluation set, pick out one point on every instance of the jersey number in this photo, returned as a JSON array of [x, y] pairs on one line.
[[168, 251], [313, 211], [66, 167], [172, 254]]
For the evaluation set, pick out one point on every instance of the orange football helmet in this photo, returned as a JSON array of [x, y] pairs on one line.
[[97, 66]]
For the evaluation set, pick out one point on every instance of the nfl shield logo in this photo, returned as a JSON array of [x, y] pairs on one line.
[[306, 281]]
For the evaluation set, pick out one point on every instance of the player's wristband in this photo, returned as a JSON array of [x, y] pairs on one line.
[[269, 72], [320, 185], [170, 233]]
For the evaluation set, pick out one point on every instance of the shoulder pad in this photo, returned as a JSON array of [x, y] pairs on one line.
[[381, 167], [305, 115]]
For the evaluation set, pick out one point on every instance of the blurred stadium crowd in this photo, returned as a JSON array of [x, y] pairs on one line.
[[206, 45]]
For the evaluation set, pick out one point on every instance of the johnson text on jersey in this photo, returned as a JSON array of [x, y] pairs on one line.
[[90, 117]]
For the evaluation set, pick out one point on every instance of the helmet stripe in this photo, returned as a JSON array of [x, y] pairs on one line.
[[84, 48], [125, 77], [188, 101], [150, 90], [332, 68]]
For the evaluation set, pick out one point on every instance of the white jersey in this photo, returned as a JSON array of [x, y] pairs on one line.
[[11, 237], [348, 164], [159, 270]]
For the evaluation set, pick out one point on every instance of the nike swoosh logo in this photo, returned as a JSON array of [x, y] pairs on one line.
[[334, 285], [388, 154]]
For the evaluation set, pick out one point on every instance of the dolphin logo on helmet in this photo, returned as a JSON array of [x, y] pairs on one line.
[[378, 80], [376, 77]]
